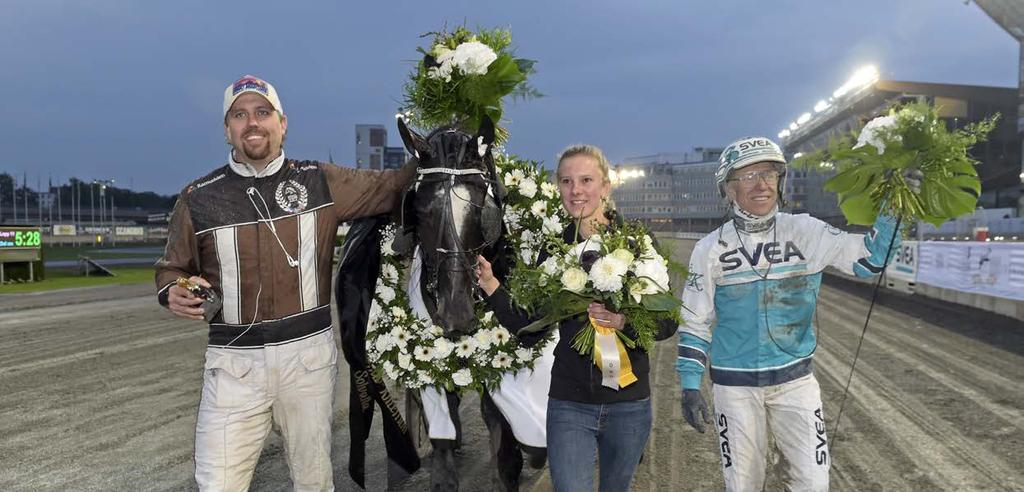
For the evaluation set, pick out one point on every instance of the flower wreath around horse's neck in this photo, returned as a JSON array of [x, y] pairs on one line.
[[413, 351]]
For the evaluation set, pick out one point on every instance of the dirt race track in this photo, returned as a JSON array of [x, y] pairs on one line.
[[99, 389]]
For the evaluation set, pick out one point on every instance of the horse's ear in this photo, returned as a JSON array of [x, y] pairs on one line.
[[414, 143], [485, 135]]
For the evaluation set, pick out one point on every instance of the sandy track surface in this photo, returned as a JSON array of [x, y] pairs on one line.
[[99, 389]]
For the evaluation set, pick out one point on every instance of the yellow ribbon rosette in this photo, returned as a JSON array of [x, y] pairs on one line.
[[611, 357]]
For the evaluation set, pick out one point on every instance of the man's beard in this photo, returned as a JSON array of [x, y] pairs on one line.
[[256, 152]]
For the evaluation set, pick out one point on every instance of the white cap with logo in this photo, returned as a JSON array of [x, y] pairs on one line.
[[251, 83], [745, 152]]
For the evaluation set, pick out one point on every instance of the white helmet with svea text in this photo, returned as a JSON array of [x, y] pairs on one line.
[[745, 152]]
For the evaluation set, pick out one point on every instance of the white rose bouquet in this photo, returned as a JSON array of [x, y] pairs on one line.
[[619, 267]]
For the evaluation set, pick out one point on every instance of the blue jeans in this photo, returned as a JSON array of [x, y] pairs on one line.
[[614, 433]]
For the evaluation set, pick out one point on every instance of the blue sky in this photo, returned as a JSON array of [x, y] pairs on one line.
[[131, 89]]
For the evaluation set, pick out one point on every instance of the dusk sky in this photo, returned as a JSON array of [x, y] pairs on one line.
[[132, 90]]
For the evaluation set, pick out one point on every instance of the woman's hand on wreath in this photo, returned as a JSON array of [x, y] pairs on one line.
[[485, 276], [606, 318]]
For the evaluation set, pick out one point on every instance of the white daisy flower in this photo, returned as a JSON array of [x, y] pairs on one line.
[[539, 208], [465, 347], [501, 361], [425, 353], [500, 335]]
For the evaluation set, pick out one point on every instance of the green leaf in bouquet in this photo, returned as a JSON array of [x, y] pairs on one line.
[[662, 301], [953, 197], [859, 208]]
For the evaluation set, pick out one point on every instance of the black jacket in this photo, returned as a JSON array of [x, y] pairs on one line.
[[575, 377]]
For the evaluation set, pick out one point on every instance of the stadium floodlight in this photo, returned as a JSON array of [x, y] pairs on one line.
[[804, 118], [794, 126], [784, 133], [821, 106], [862, 77]]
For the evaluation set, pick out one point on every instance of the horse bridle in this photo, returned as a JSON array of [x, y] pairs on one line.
[[451, 177]]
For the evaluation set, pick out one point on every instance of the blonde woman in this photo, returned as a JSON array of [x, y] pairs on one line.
[[586, 421]]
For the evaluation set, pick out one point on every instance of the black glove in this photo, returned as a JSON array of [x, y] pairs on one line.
[[694, 409]]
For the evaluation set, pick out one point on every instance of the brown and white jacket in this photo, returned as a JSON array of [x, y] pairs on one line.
[[265, 242]]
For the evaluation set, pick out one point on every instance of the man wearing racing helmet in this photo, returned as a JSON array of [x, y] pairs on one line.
[[755, 280]]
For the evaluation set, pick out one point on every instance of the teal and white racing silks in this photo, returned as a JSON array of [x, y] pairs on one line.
[[758, 292]]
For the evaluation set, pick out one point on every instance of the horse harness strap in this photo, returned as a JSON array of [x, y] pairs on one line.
[[448, 170]]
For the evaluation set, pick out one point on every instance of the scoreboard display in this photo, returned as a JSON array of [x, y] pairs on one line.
[[20, 244]]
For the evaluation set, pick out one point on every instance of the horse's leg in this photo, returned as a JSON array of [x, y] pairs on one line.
[[443, 474], [506, 457]]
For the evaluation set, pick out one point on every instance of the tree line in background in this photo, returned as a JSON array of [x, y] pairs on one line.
[[76, 191]]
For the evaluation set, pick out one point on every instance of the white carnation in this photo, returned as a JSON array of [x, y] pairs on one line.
[[487, 317], [574, 280], [473, 57], [549, 266], [528, 188], [462, 377], [524, 354], [551, 225], [385, 293], [607, 273], [443, 347], [484, 339], [436, 330], [390, 370], [397, 312], [384, 342], [405, 361], [424, 378], [549, 190], [528, 255]]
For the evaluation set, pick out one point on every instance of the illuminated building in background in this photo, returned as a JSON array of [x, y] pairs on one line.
[[671, 191]]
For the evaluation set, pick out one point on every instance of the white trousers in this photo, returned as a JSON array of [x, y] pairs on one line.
[[245, 390], [792, 411]]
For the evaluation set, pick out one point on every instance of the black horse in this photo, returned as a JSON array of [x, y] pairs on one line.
[[453, 212]]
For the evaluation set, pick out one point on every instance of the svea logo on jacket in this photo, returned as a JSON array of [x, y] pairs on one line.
[[732, 260]]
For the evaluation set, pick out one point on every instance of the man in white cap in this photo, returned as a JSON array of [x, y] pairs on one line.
[[255, 240], [755, 280]]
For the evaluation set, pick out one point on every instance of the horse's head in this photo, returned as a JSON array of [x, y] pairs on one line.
[[455, 216]]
